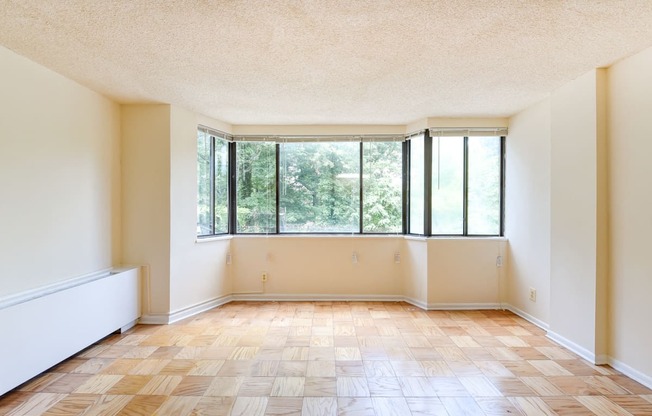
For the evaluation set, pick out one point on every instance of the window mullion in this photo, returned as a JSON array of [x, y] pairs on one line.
[[361, 196], [277, 148], [212, 184], [406, 185], [427, 182], [465, 201], [231, 186]]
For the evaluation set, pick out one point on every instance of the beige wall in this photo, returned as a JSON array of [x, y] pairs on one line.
[[527, 211], [309, 265], [146, 218], [630, 152], [575, 225], [198, 271], [59, 177], [454, 279], [415, 270]]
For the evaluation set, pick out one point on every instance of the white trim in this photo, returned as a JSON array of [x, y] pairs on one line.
[[574, 347], [462, 306], [630, 372], [280, 297], [183, 313], [526, 316], [416, 302], [154, 319], [198, 308], [39, 292], [226, 237]]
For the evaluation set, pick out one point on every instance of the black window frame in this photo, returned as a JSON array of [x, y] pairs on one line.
[[405, 191]]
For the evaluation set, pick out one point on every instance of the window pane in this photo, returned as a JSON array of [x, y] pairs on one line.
[[484, 186], [382, 187], [221, 186], [416, 184], [204, 223], [320, 187], [447, 185], [256, 187]]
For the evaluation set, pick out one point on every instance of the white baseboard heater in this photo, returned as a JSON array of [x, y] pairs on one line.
[[42, 327]]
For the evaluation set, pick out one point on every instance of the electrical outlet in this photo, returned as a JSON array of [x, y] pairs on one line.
[[263, 276], [499, 261], [354, 258], [397, 257], [533, 294]]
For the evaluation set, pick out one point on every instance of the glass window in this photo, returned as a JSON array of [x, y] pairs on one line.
[[204, 223], [256, 187], [221, 186], [212, 184], [320, 187], [484, 185], [447, 186], [417, 185], [382, 180]]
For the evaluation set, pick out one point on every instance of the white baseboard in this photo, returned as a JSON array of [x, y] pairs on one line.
[[290, 297], [576, 348], [418, 303], [462, 306], [183, 313], [630, 372], [526, 316]]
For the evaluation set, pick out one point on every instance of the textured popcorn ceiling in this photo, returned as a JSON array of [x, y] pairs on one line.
[[327, 62]]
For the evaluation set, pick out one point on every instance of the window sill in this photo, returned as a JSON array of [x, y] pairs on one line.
[[213, 238]]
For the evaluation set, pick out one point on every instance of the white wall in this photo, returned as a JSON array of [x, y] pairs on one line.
[[576, 228], [59, 177], [527, 211], [630, 150], [198, 271], [146, 200]]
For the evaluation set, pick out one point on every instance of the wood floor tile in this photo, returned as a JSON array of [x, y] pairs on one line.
[[390, 406], [288, 386], [461, 406], [567, 406], [142, 405], [532, 406], [36, 404], [384, 387], [346, 358], [71, 405], [284, 406], [496, 406], [177, 405], [98, 384], [192, 386], [542, 386], [636, 405], [355, 406], [319, 406], [320, 386], [480, 387], [601, 405], [108, 405], [213, 406], [320, 369], [129, 385], [256, 387]]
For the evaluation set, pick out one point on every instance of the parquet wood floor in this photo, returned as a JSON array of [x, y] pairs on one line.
[[330, 358]]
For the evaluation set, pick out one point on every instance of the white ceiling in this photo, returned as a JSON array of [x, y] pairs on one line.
[[327, 61]]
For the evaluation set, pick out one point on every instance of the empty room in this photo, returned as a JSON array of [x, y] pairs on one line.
[[325, 207]]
